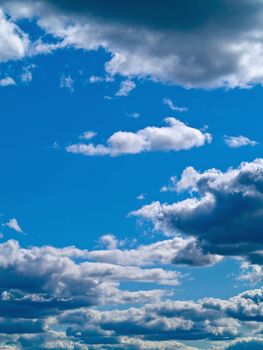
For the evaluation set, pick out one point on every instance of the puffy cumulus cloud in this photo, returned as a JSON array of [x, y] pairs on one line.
[[175, 136], [238, 141], [7, 81], [50, 340], [178, 250], [208, 318], [55, 273], [37, 282], [169, 41], [224, 212], [57, 299], [14, 43]]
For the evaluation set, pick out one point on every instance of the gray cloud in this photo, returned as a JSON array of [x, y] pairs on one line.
[[169, 41], [225, 213]]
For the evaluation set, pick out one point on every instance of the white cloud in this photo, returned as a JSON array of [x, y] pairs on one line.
[[109, 240], [14, 43], [87, 135], [125, 88], [66, 82], [141, 197], [8, 81], [238, 141], [99, 79], [178, 250], [134, 115], [173, 107], [95, 79], [175, 136], [26, 75], [13, 224]]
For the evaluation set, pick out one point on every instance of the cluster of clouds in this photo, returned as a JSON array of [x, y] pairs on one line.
[[166, 50], [59, 298], [175, 136], [54, 298]]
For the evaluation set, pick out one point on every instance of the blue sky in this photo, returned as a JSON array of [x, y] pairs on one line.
[[131, 182]]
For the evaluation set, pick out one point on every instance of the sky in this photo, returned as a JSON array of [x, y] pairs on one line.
[[132, 178]]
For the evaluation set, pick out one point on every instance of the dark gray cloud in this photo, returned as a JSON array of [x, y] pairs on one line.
[[189, 43], [225, 215], [208, 318], [169, 14]]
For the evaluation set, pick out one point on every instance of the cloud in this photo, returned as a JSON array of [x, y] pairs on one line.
[[87, 135], [13, 224], [134, 115], [171, 251], [246, 344], [26, 75], [14, 43], [66, 82], [173, 107], [167, 49], [224, 211], [239, 141], [125, 88], [55, 279], [166, 321], [141, 197], [46, 289], [110, 241], [8, 81], [175, 136]]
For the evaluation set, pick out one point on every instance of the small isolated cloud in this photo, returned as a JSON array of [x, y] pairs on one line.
[[13, 224], [175, 136], [171, 187], [141, 197], [109, 241], [134, 115], [126, 87], [66, 82], [99, 79], [95, 79], [87, 135], [238, 141], [55, 145], [26, 75], [8, 81], [173, 107]]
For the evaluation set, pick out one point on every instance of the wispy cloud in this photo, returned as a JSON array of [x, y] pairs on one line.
[[173, 107], [126, 87], [238, 141], [66, 82]]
